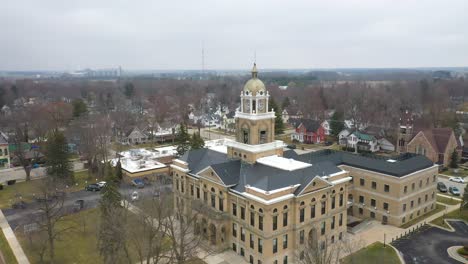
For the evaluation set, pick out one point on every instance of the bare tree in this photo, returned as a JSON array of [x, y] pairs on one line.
[[328, 250], [51, 213], [180, 229]]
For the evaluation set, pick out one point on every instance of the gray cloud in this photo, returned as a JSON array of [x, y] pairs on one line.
[[148, 34]]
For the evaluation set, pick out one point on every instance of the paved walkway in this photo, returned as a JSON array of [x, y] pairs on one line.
[[12, 241], [226, 257]]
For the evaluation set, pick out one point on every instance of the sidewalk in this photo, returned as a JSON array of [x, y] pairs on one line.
[[12, 241]]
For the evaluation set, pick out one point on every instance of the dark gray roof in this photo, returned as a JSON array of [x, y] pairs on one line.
[[3, 138], [405, 164], [269, 178], [198, 159], [228, 171]]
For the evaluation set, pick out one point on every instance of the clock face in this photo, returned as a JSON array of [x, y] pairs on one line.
[[261, 105]]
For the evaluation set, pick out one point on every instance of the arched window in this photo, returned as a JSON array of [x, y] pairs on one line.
[[285, 207]]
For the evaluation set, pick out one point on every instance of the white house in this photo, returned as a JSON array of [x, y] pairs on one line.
[[326, 127], [363, 141]]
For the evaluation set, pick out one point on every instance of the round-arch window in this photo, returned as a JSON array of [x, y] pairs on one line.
[[323, 196], [245, 156], [212, 189], [341, 189], [240, 155], [252, 207], [333, 191], [285, 207], [235, 153], [275, 210], [313, 200], [260, 210], [302, 203]]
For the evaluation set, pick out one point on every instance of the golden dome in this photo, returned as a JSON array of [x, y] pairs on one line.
[[254, 85]]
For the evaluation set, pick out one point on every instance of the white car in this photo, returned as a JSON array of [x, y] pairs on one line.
[[457, 179], [134, 196], [101, 184]]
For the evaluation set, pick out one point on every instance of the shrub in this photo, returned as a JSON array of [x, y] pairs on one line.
[[1, 186], [11, 182], [463, 251]]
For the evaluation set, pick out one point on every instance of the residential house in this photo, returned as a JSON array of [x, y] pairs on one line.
[[4, 151], [326, 127], [134, 136], [309, 131], [364, 142]]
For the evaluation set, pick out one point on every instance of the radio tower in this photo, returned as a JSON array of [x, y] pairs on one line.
[[203, 61]]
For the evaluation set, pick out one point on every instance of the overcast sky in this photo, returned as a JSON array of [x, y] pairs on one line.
[[154, 34]]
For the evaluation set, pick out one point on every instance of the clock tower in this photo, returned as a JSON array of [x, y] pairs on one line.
[[255, 124]]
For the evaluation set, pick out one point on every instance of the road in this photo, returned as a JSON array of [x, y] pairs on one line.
[[19, 217], [460, 186], [17, 173]]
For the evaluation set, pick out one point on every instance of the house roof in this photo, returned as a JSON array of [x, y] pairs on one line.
[[363, 136], [3, 138], [310, 125]]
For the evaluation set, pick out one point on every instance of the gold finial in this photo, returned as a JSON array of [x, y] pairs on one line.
[[254, 71]]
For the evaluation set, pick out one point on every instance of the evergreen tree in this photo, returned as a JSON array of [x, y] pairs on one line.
[[57, 157], [197, 141], [336, 123], [118, 170], [285, 103], [182, 139], [129, 90], [454, 160], [112, 232], [79, 108], [279, 125]]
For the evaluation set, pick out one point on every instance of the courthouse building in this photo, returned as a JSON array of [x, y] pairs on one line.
[[264, 202]]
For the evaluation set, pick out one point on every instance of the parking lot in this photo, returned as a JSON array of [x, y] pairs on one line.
[[430, 245], [20, 217], [449, 183]]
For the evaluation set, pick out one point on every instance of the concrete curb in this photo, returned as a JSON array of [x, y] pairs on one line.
[[12, 241], [400, 255], [452, 252]]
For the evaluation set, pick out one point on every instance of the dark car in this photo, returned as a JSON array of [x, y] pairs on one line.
[[19, 205], [454, 190], [291, 146], [441, 187], [328, 143], [93, 187]]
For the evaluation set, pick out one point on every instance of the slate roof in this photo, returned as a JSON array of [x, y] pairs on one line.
[[238, 174], [311, 125], [405, 163]]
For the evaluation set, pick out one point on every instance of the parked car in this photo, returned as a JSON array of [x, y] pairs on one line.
[[454, 190], [441, 187], [291, 146], [457, 179], [138, 183], [328, 143], [101, 184], [93, 187], [19, 205], [134, 196]]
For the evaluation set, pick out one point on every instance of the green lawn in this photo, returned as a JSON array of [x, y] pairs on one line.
[[461, 172], [6, 250], [372, 254], [422, 217], [446, 200], [25, 190], [452, 215]]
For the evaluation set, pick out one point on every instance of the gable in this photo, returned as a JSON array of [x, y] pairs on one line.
[[425, 141], [316, 184], [211, 175]]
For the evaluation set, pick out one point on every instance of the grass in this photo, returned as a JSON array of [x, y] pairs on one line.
[[439, 208], [457, 214], [24, 190], [461, 172], [445, 200], [6, 251], [374, 253]]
